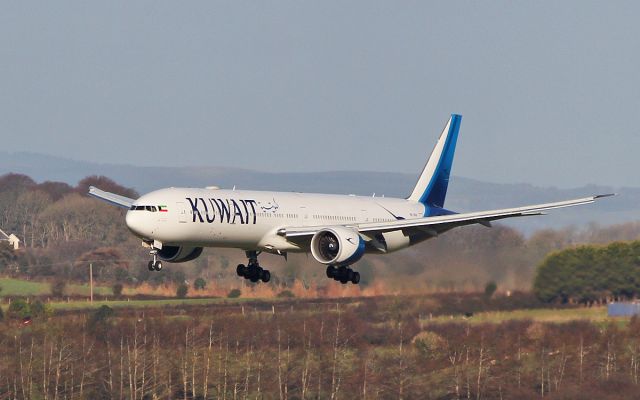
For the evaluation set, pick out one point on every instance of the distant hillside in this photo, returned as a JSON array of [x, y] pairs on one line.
[[464, 194]]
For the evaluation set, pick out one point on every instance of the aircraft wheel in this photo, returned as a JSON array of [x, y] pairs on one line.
[[265, 276], [241, 270], [355, 279], [331, 271], [150, 266], [158, 265], [349, 274]]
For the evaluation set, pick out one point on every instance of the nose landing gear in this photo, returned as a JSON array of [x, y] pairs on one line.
[[252, 271], [155, 264], [343, 274]]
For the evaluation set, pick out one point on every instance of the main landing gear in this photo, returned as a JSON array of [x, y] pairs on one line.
[[343, 274], [155, 264], [253, 271]]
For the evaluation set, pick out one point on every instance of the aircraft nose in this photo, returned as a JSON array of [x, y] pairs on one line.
[[134, 223]]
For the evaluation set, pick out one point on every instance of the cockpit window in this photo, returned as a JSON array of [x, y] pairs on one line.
[[144, 208]]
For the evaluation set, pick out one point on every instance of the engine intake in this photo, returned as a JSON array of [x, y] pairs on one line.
[[179, 254], [337, 246]]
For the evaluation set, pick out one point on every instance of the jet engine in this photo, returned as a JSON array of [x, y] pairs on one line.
[[178, 254], [337, 246]]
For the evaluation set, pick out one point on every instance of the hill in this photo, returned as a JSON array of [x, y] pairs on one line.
[[464, 194]]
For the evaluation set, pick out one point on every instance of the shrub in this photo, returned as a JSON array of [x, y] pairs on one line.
[[182, 290], [199, 284], [489, 289], [100, 317], [58, 287], [117, 289], [1, 314], [19, 309], [234, 293], [429, 344], [38, 309], [286, 294]]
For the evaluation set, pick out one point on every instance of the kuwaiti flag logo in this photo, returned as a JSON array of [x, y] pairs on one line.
[[162, 209]]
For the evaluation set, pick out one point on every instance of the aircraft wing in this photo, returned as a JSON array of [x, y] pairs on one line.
[[434, 225], [111, 198]]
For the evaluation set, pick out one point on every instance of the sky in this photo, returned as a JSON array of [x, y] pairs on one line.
[[549, 91]]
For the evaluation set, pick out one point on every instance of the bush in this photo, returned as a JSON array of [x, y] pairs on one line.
[[100, 319], [117, 289], [19, 309], [199, 284], [38, 309], [286, 294], [489, 289], [429, 344], [1, 314], [181, 291], [234, 293], [58, 287]]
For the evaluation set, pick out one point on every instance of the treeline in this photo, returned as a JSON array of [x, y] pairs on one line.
[[64, 230], [51, 213], [590, 274], [330, 352]]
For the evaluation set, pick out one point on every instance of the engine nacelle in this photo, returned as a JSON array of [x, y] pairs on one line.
[[337, 246], [178, 254]]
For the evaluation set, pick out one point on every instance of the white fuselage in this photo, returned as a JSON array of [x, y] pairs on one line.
[[250, 220]]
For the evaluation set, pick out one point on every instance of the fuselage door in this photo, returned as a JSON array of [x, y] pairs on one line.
[[182, 212]]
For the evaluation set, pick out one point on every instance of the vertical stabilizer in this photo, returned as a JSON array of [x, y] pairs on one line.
[[431, 188]]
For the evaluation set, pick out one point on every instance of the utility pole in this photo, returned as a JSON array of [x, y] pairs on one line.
[[91, 282]]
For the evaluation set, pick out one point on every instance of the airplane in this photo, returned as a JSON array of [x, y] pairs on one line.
[[338, 230]]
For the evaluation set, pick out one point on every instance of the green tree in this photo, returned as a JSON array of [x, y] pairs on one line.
[[489, 289], [100, 318], [234, 293], [199, 284], [19, 309], [117, 289], [590, 273], [37, 309], [182, 290], [58, 288]]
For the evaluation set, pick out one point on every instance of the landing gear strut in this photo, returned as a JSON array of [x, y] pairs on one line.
[[155, 264], [343, 274], [252, 271]]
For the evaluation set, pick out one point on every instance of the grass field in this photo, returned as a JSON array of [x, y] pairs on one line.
[[20, 287], [80, 305], [593, 314]]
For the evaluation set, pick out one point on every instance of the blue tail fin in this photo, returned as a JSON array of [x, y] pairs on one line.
[[431, 188]]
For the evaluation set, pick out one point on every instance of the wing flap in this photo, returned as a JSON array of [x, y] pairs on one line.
[[111, 198]]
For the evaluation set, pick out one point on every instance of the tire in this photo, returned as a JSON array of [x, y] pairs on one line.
[[158, 266], [344, 281], [150, 266], [349, 274], [330, 271], [356, 278], [241, 270], [265, 276]]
